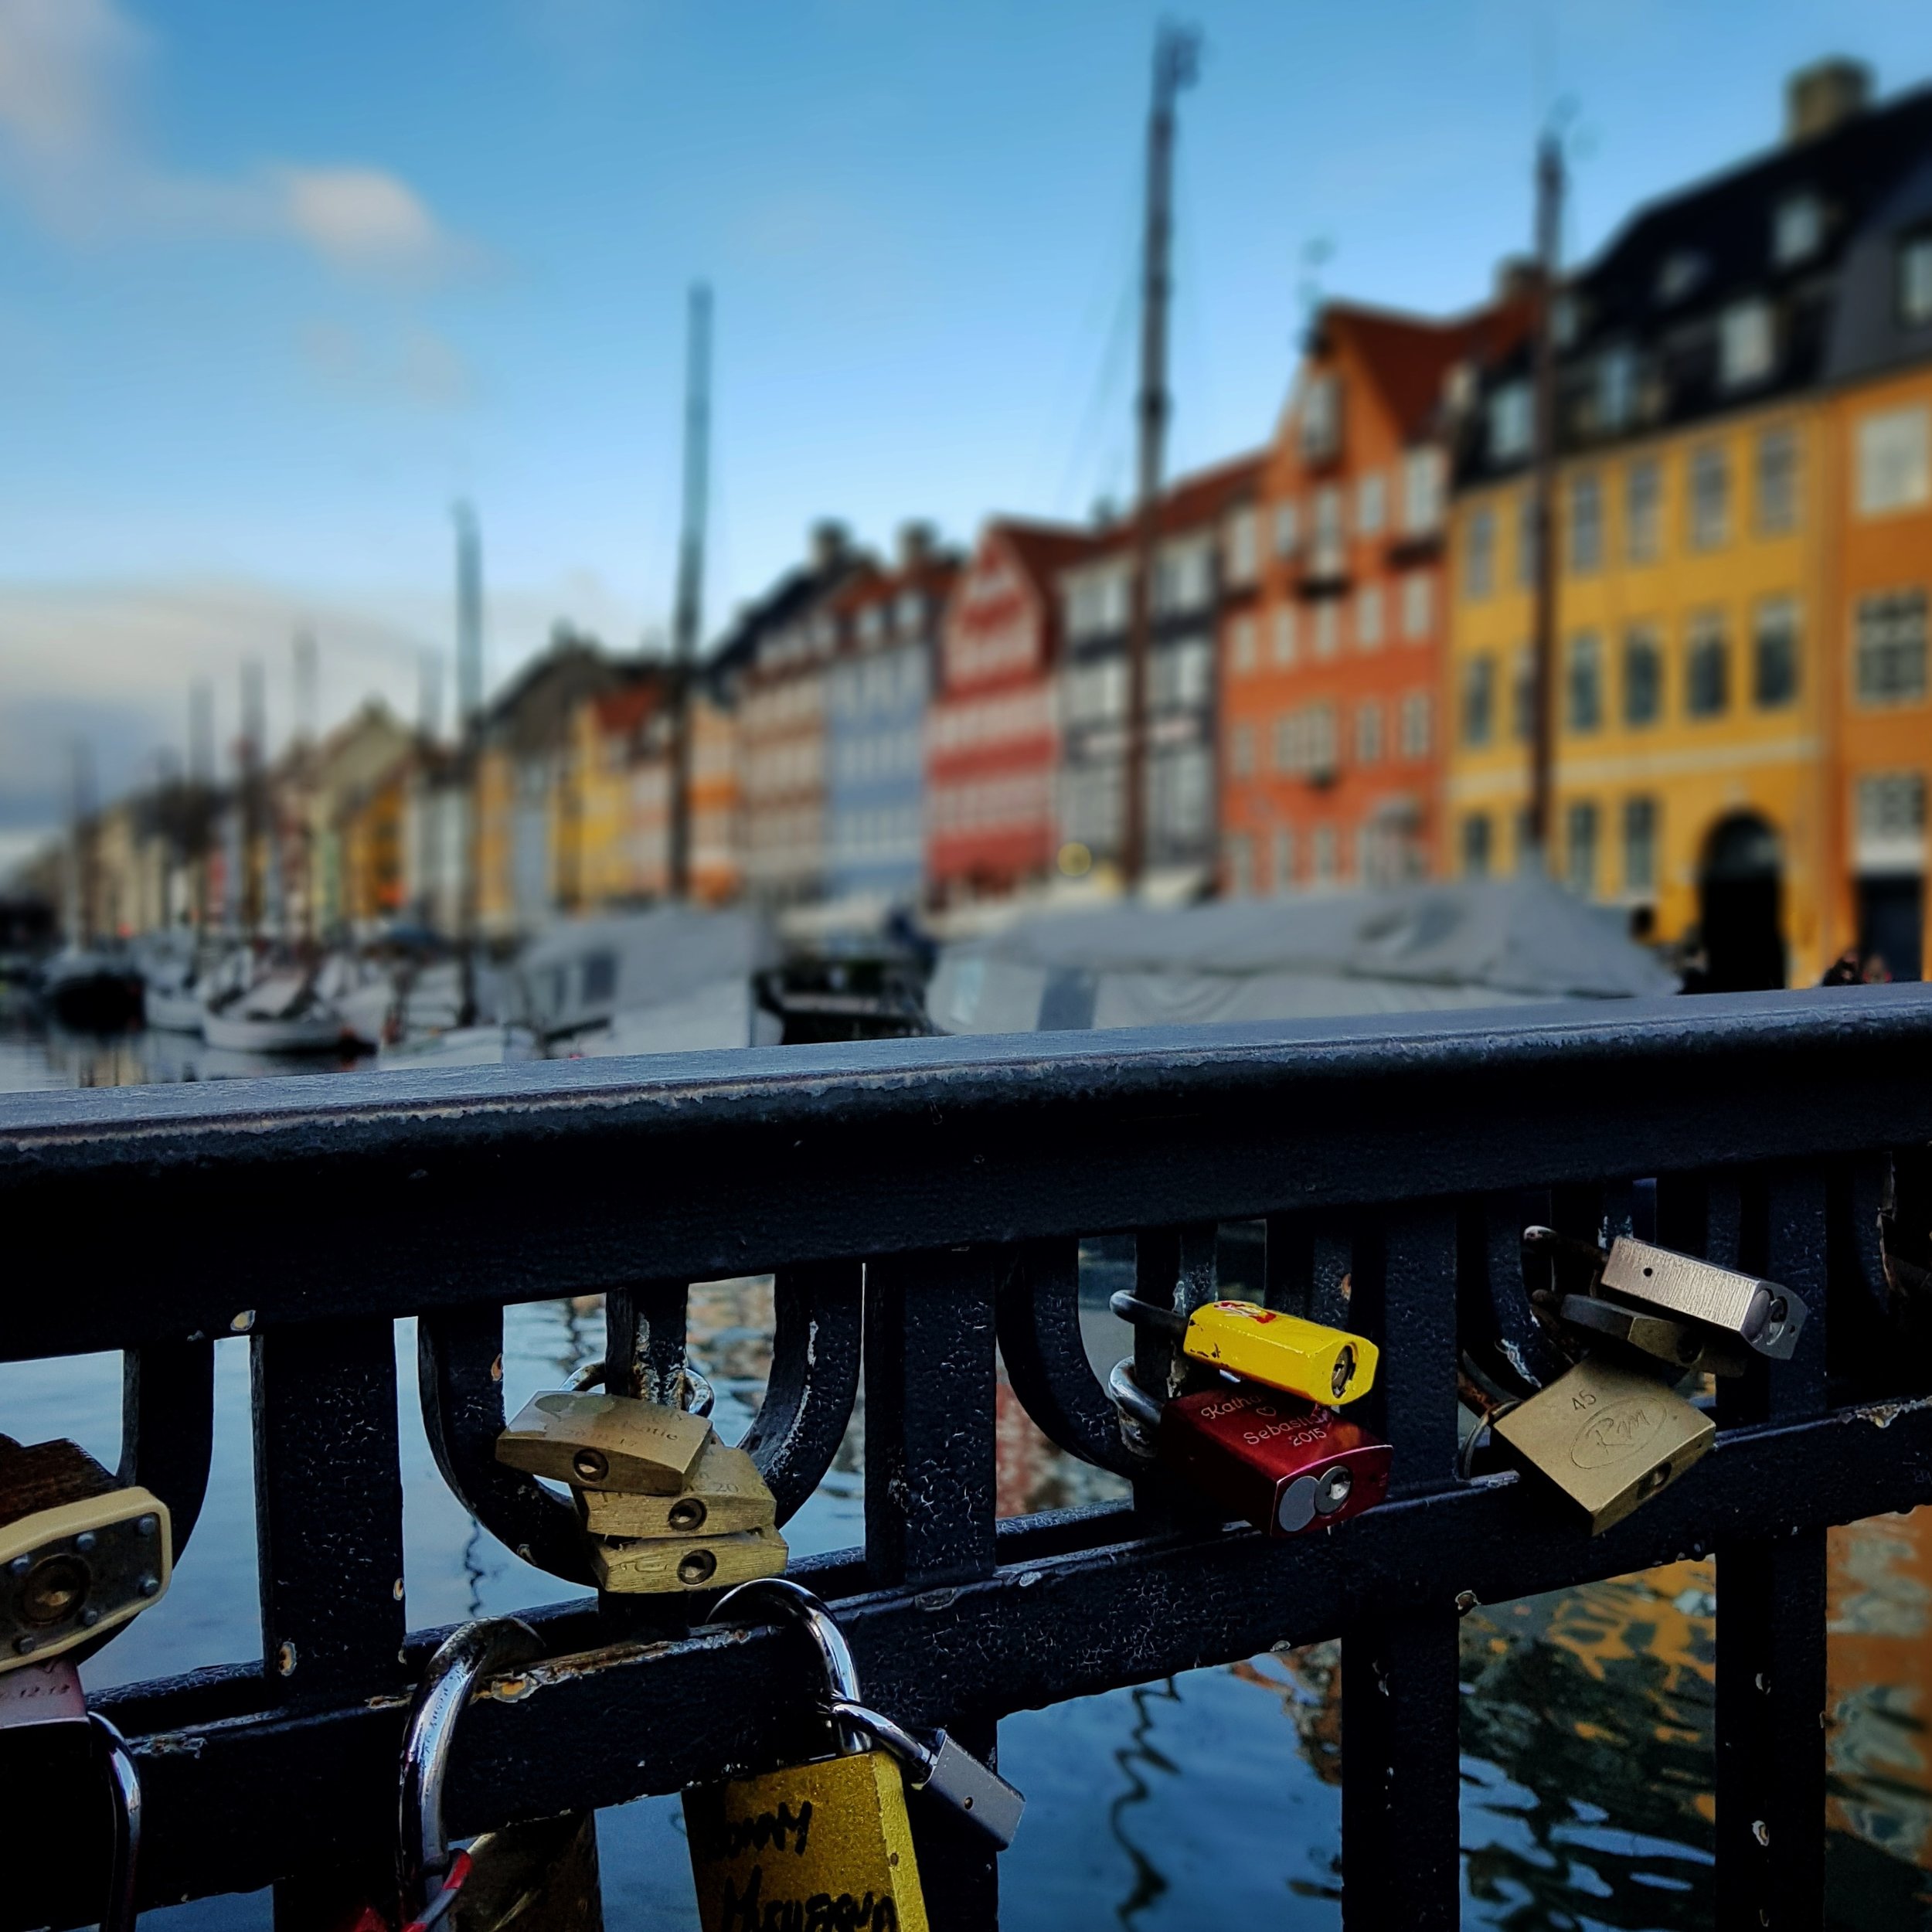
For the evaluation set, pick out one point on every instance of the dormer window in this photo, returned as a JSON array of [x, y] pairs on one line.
[[1682, 269], [1321, 420], [1798, 226], [1510, 422], [1744, 344], [1616, 387], [1915, 279], [1565, 320]]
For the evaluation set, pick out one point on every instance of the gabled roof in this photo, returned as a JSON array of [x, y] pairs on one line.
[[1407, 357], [1189, 502], [1042, 550]]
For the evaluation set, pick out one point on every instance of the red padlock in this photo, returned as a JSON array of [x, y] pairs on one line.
[[1285, 1467]]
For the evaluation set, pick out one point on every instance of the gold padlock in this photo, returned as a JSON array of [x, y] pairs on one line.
[[824, 1843], [650, 1565], [80, 1552], [1607, 1437], [604, 1442], [726, 1493]]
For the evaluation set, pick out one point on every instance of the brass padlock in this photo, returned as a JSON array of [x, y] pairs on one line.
[[1686, 1347], [726, 1494], [539, 1877], [647, 1566], [80, 1552], [605, 1442], [1608, 1438], [824, 1843]]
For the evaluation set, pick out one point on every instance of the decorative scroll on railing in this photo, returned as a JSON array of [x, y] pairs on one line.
[[932, 1195]]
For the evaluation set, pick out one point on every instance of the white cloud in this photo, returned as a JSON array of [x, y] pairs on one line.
[[72, 154]]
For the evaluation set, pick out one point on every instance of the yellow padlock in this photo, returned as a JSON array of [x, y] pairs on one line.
[[1319, 1364], [726, 1494], [826, 1843], [604, 1442]]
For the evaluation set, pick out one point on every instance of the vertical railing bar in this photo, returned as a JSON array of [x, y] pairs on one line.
[[644, 1329], [1288, 1283], [929, 1499]]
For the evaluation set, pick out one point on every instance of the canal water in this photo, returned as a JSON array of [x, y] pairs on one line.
[[1209, 1800]]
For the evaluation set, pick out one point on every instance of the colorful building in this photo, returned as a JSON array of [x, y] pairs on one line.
[[992, 735], [1724, 687], [875, 698], [1331, 742], [1204, 565]]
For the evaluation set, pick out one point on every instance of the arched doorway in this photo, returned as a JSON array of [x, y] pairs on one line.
[[1740, 896]]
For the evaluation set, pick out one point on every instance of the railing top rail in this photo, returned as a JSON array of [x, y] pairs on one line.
[[164, 1212]]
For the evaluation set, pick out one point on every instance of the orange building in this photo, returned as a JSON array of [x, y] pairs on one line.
[[1331, 678]]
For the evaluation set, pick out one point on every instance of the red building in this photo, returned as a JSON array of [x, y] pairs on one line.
[[992, 735]]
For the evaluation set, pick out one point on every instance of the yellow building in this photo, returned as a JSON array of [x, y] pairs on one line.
[[1715, 363]]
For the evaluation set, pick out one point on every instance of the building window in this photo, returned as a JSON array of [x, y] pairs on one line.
[[1585, 545], [1478, 701], [1640, 846], [1287, 529], [1241, 750], [1320, 419], [1891, 648], [1511, 421], [1891, 815], [1237, 850], [1328, 560], [1585, 684], [1421, 492], [1241, 651], [1744, 343], [1774, 653], [1368, 617], [1328, 627], [1706, 667], [1325, 850], [1479, 553], [1526, 539], [1892, 461], [1682, 269], [1284, 858], [1643, 511], [1368, 734], [1372, 504], [1709, 497], [1915, 280], [1616, 387], [1415, 725], [1283, 641], [1244, 547], [1475, 845], [1777, 480], [1797, 228], [1418, 604], [1580, 846], [1643, 676], [1522, 696]]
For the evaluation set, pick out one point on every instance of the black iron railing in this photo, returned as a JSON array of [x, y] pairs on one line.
[[932, 1193]]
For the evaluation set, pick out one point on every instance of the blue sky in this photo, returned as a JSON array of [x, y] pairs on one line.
[[278, 283]]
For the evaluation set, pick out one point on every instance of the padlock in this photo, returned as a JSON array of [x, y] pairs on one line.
[[1686, 1348], [824, 1843], [1285, 1466], [1608, 1437], [541, 1877], [605, 1442], [726, 1494], [1765, 1316], [1304, 1358], [645, 1567], [80, 1552], [938, 1764], [50, 1741]]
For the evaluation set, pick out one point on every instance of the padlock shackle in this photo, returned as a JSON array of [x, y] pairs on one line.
[[1130, 1397], [123, 1785], [1147, 1314], [796, 1602], [466, 1657], [702, 1397]]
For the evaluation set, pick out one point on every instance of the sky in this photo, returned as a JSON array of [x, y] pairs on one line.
[[279, 284]]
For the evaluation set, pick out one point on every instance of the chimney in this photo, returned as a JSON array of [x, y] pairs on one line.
[[915, 545], [1823, 96], [827, 543]]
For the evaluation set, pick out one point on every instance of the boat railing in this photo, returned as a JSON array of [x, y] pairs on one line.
[[932, 1196]]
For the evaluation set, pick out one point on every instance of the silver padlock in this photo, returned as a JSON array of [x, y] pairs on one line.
[[944, 1767], [1764, 1315]]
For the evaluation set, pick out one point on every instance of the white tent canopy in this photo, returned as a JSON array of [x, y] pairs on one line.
[[1408, 948]]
